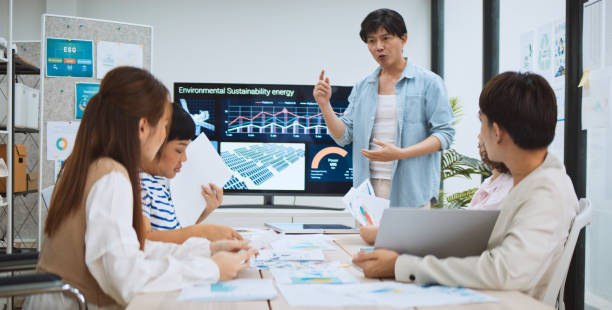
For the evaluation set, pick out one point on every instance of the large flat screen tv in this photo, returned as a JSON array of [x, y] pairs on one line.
[[272, 137]]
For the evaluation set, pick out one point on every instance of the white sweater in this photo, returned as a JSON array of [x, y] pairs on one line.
[[526, 243]]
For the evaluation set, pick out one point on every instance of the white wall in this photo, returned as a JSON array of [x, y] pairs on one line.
[[62, 7], [463, 75], [245, 41], [4, 19], [26, 19]]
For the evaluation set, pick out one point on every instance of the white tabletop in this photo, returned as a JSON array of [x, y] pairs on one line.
[[346, 246]]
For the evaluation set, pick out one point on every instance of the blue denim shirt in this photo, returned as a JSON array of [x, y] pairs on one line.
[[423, 110]]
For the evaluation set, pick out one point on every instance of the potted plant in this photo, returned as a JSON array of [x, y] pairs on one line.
[[454, 164]]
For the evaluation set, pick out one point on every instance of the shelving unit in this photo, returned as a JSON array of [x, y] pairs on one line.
[[20, 67]]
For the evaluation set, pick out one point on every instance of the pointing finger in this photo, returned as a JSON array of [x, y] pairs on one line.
[[322, 75]]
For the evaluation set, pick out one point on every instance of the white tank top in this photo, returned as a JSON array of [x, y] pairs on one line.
[[385, 126]]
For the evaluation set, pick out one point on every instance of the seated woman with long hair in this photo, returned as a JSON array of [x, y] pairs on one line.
[[94, 231]]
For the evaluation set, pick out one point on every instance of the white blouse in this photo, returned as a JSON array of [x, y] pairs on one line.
[[113, 257]]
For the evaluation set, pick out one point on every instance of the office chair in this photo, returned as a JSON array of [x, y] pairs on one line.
[[36, 283], [554, 293]]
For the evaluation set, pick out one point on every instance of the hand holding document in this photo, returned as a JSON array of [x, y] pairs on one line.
[[365, 207], [203, 166]]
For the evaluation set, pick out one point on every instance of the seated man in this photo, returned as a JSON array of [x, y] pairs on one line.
[[518, 114], [157, 205]]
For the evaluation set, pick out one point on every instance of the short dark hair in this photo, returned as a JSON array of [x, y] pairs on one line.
[[182, 127], [390, 20], [524, 105]]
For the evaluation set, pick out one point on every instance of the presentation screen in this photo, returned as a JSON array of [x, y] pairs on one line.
[[272, 137]]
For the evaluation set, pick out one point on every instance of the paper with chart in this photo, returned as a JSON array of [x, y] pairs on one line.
[[235, 290], [384, 294], [312, 273], [267, 259], [526, 50], [258, 263], [203, 166], [290, 255], [365, 207], [115, 54], [303, 242], [60, 139]]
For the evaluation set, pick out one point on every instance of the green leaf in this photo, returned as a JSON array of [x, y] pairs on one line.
[[461, 199], [454, 164], [457, 110]]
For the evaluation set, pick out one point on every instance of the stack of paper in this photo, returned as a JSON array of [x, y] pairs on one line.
[[365, 207], [235, 290]]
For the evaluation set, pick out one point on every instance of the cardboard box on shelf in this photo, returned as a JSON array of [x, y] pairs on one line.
[[19, 168], [32, 181]]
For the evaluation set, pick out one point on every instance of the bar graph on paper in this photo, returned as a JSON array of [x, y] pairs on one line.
[[276, 120]]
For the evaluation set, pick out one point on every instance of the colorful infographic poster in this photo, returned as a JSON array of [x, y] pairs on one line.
[[82, 93], [60, 139], [69, 58]]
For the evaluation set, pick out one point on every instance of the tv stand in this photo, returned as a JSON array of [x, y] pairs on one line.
[[268, 203]]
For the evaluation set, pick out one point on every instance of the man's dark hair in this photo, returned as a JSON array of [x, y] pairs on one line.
[[182, 126], [524, 105], [390, 20]]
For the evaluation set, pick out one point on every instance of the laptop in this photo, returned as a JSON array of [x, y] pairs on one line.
[[295, 228], [442, 233]]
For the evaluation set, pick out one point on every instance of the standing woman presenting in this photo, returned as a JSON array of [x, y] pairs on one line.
[[398, 117]]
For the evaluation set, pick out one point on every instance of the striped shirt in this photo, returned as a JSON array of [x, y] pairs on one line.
[[157, 204]]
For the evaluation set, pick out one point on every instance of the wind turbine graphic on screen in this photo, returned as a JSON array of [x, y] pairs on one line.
[[199, 119]]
